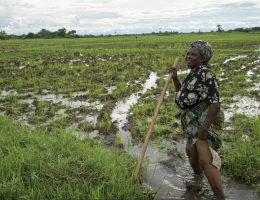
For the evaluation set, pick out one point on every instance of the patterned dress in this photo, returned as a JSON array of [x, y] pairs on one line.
[[200, 89]]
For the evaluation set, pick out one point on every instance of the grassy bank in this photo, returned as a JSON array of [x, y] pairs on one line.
[[241, 155], [60, 166]]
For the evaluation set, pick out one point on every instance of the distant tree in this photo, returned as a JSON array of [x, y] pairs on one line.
[[2, 32], [256, 28], [89, 36], [246, 30], [53, 34], [11, 36], [115, 32], [72, 32], [2, 37], [230, 31], [219, 28], [44, 33], [61, 32], [30, 35], [166, 33], [241, 29], [37, 35]]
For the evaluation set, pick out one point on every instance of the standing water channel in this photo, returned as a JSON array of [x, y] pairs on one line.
[[162, 175], [166, 175]]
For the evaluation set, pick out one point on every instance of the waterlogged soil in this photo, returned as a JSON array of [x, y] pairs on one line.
[[104, 110]]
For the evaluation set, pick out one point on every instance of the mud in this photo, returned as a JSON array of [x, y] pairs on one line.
[[72, 105]]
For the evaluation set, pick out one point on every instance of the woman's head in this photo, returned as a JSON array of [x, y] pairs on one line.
[[204, 49]]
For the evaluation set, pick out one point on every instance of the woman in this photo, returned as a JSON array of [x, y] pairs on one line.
[[202, 118]]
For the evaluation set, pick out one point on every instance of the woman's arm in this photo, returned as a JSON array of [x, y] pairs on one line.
[[175, 78], [176, 83], [211, 116]]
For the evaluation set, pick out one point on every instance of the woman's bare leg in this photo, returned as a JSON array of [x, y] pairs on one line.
[[211, 172], [193, 156]]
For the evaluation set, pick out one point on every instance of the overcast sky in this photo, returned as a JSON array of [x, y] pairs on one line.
[[126, 16]]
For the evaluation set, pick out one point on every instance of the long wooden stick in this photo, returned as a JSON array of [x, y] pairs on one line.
[[152, 125]]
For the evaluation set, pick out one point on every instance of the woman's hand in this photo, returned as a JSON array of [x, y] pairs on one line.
[[175, 78], [174, 70], [211, 116], [202, 134]]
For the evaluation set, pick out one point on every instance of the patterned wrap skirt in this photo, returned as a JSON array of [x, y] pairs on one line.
[[192, 120]]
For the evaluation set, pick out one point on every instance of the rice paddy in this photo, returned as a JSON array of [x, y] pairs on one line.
[[105, 91]]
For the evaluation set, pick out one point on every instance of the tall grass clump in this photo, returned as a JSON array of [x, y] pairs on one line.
[[35, 165], [241, 157], [18, 85], [11, 98]]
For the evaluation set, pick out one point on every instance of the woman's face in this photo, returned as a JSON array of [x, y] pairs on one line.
[[193, 58]]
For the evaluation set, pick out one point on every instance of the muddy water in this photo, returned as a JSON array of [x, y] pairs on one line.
[[167, 175], [165, 172]]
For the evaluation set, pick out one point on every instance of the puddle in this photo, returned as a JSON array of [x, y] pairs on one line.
[[184, 71], [110, 89], [23, 120], [250, 73], [150, 82], [53, 98], [65, 101], [5, 93], [174, 184], [257, 45], [255, 62], [255, 88], [221, 79], [173, 177], [74, 94], [233, 58], [179, 72], [243, 105], [123, 106], [82, 135], [25, 101]]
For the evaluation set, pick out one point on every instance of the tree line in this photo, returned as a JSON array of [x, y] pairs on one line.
[[62, 33], [43, 33]]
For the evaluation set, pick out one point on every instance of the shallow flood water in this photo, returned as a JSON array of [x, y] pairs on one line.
[[165, 172], [169, 174]]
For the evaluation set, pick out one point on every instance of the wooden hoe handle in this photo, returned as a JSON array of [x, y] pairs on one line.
[[152, 125]]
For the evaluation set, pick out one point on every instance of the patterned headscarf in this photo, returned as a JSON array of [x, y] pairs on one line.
[[204, 49]]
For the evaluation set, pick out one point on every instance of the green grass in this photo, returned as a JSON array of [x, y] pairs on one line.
[[60, 166], [56, 65], [241, 155]]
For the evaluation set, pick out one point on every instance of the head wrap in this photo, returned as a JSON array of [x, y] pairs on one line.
[[204, 49]]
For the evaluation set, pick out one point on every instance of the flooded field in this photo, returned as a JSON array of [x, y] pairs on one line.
[[107, 89]]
